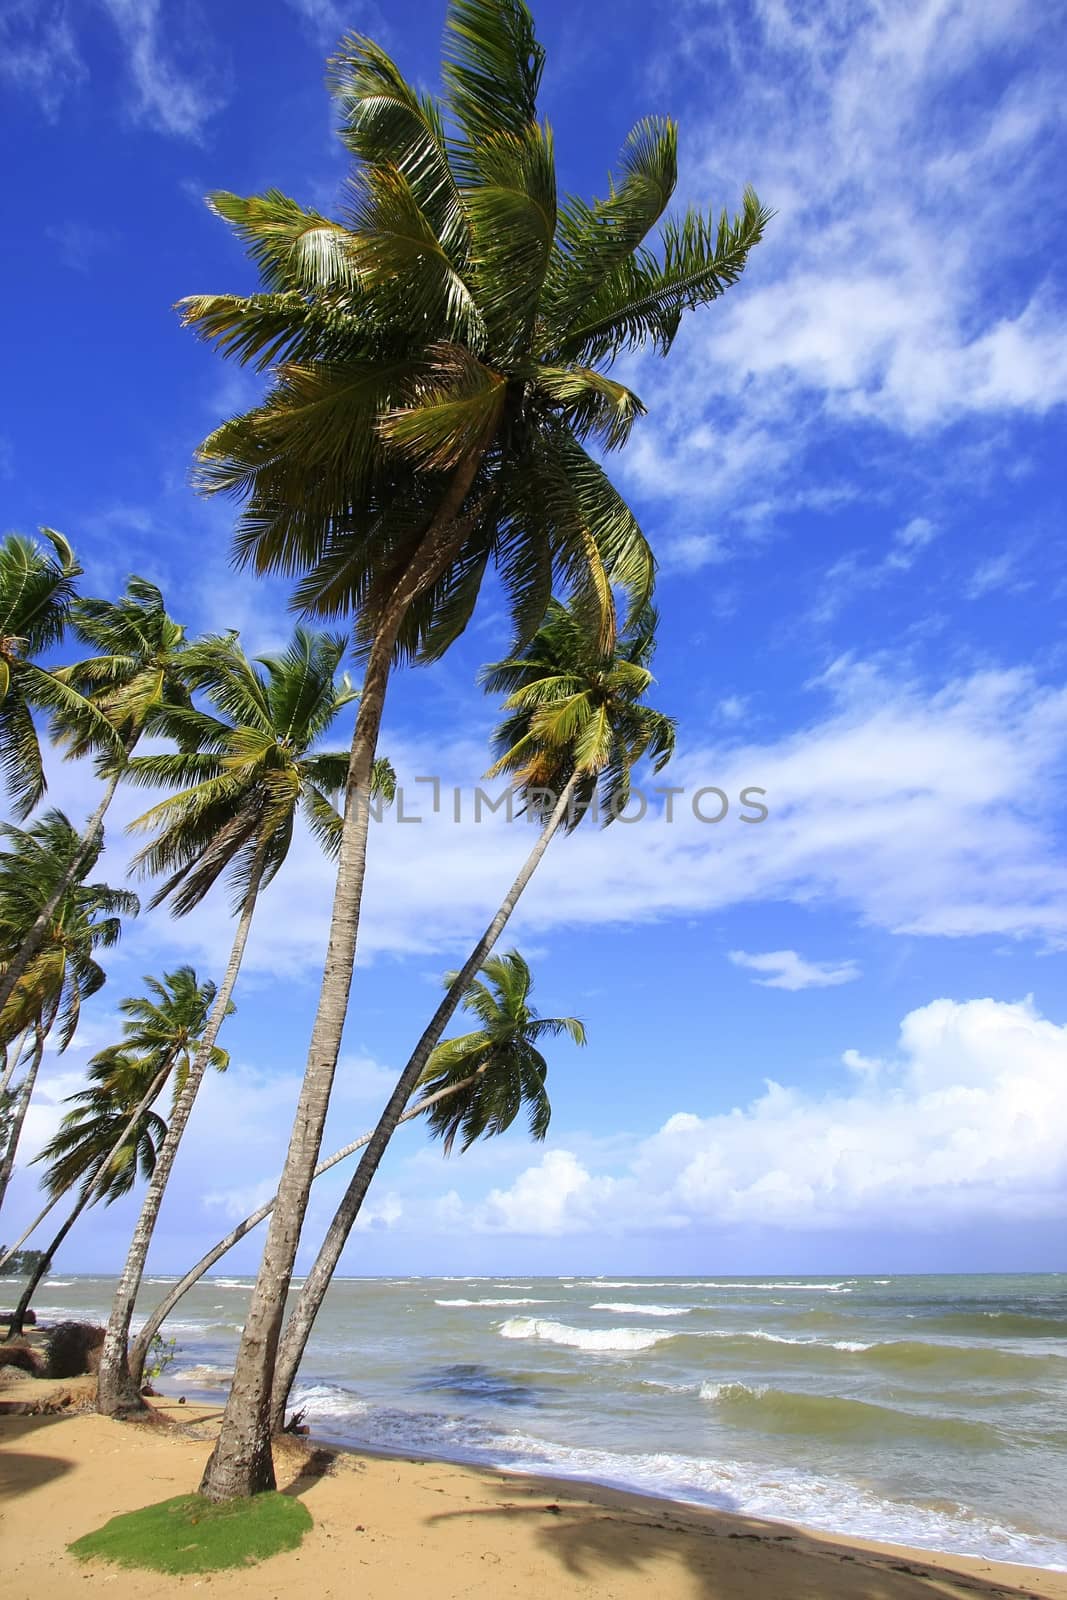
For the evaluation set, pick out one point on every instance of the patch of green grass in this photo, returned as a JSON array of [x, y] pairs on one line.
[[191, 1534]]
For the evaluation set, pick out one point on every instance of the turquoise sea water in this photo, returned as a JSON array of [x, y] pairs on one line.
[[927, 1410]]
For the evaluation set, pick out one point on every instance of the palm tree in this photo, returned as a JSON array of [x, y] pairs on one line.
[[485, 1081], [250, 765], [16, 1107], [37, 590], [442, 357], [103, 1139], [63, 972], [574, 728], [105, 704], [478, 1083]]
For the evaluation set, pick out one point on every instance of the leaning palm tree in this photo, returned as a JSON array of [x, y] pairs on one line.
[[37, 591], [250, 766], [16, 1104], [103, 1137], [442, 354], [105, 704], [477, 1083], [63, 972], [575, 726]]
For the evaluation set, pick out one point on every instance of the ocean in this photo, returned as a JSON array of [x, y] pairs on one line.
[[931, 1411]]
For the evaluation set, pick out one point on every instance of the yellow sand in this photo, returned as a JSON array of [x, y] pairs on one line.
[[427, 1530]]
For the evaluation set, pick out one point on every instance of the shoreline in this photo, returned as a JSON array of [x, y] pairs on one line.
[[576, 1483], [417, 1524]]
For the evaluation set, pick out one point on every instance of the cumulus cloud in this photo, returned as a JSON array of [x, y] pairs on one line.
[[785, 969], [964, 1123], [902, 199]]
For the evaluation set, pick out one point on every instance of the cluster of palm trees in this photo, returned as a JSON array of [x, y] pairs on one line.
[[439, 400]]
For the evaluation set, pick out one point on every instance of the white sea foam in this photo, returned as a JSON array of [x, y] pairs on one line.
[[594, 1339], [629, 1308], [57, 1283], [518, 1302], [204, 1376], [719, 1391], [635, 1283], [780, 1492]]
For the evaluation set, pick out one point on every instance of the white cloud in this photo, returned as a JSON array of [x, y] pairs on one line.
[[39, 51], [995, 574], [905, 204], [922, 812], [176, 88], [964, 1124], [79, 243], [176, 93], [330, 19], [785, 969]]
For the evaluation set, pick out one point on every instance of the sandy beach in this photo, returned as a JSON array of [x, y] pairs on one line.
[[426, 1528]]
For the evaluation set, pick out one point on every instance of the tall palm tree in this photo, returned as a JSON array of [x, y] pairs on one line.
[[95, 1139], [37, 591], [105, 704], [250, 765], [103, 1137], [479, 1081], [17, 1104], [574, 728], [63, 972], [442, 355], [478, 1084], [485, 1083]]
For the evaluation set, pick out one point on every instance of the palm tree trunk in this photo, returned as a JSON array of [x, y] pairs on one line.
[[143, 1343], [89, 1189], [11, 1061], [22, 1105], [298, 1329], [241, 1462], [117, 1393], [36, 934]]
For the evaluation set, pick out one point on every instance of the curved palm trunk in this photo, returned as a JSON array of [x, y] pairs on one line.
[[11, 1061], [241, 1463], [39, 928], [143, 1343], [117, 1392], [22, 1105], [89, 1189], [298, 1329]]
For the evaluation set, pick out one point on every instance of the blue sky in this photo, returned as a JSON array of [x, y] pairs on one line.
[[833, 1041]]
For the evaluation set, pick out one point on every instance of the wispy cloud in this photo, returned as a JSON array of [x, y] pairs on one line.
[[176, 87], [39, 52], [785, 969], [175, 92], [905, 206], [921, 812], [858, 572], [997, 573], [328, 19], [79, 243]]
